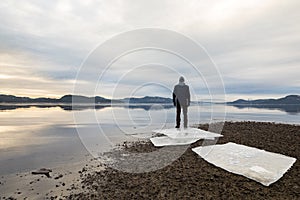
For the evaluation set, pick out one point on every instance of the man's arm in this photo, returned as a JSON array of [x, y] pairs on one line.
[[188, 97], [174, 97]]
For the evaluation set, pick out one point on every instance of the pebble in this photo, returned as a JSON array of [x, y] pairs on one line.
[[58, 177]]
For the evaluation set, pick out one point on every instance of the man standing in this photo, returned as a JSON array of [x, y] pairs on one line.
[[181, 99]]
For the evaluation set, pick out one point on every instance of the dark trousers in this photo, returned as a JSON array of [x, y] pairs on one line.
[[178, 113]]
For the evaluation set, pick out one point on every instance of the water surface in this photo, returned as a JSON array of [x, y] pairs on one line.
[[47, 136]]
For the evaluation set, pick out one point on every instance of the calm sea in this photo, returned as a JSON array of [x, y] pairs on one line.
[[32, 137]]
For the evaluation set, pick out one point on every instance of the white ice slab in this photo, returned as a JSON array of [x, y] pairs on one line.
[[191, 133], [259, 165], [166, 141]]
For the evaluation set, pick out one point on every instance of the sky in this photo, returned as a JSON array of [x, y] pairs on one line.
[[250, 49]]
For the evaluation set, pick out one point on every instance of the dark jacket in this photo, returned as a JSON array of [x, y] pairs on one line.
[[181, 94]]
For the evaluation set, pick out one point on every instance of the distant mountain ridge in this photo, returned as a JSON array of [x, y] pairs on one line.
[[289, 104], [148, 99], [14, 99], [83, 99], [67, 99], [288, 100]]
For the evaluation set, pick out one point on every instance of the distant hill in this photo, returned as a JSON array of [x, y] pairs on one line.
[[83, 99], [14, 99], [289, 104], [68, 99], [64, 99], [288, 100], [148, 99]]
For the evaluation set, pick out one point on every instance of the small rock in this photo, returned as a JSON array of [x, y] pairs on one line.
[[42, 171], [58, 177]]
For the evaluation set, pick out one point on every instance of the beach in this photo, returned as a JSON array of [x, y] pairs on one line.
[[188, 177], [62, 181], [149, 100]]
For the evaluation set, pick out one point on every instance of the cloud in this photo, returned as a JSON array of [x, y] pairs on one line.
[[255, 44], [20, 81]]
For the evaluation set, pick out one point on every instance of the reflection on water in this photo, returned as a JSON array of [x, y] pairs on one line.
[[33, 136], [64, 106], [291, 109], [86, 106]]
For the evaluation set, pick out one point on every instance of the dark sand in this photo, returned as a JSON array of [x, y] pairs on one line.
[[190, 177]]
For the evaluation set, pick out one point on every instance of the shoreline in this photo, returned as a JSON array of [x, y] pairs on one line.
[[187, 177], [63, 181]]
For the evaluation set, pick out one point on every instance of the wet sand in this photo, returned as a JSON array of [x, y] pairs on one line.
[[188, 177], [62, 181]]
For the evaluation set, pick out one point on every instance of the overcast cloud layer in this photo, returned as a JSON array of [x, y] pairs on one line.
[[255, 44]]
